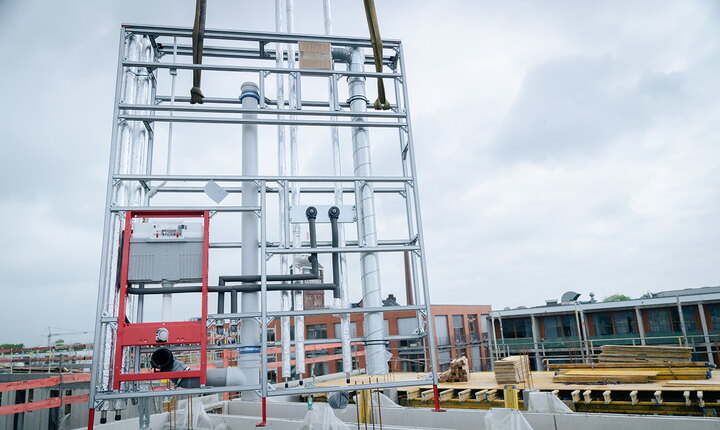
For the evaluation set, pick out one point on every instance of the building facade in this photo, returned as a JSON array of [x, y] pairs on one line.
[[574, 331], [459, 331]]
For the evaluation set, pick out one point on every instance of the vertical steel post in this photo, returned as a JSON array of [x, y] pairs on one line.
[[420, 235], [101, 330], [641, 325], [263, 303], [706, 334]]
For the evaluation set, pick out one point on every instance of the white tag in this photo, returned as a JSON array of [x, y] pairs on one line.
[[215, 191]]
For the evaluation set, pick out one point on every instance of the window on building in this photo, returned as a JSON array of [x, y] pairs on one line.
[[714, 311], [559, 326], [668, 320], [515, 328], [441, 330], [317, 331], [476, 358], [458, 329], [473, 328], [353, 330], [614, 323], [408, 326], [444, 359]]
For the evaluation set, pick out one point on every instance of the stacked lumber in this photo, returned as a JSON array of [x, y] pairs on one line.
[[458, 371], [605, 376], [663, 354], [512, 370], [665, 371]]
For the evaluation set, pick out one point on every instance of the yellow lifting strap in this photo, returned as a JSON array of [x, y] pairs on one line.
[[381, 102], [198, 36]]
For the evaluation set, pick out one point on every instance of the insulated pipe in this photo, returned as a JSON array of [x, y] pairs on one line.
[[249, 361], [166, 314], [295, 171], [341, 300], [370, 268], [162, 359], [282, 171]]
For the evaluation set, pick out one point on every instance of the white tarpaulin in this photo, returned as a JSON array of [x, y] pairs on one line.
[[322, 417], [505, 419], [547, 402]]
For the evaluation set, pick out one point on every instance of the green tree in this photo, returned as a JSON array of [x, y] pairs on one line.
[[617, 298]]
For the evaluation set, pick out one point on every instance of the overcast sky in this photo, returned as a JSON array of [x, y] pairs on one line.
[[561, 145]]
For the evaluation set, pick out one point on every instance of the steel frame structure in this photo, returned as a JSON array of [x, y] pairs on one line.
[[132, 184]]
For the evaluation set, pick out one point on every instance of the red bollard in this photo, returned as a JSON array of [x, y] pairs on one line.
[[436, 395], [263, 423]]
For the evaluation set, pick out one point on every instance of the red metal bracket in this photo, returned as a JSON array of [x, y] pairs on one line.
[[143, 334]]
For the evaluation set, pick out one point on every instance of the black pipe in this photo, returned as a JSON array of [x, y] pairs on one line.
[[314, 274], [334, 213], [221, 303]]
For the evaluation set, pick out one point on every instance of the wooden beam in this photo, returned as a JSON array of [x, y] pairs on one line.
[[446, 395], [575, 396], [658, 397], [586, 396], [464, 395], [607, 396], [634, 397]]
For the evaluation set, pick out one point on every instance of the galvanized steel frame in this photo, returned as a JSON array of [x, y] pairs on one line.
[[405, 185]]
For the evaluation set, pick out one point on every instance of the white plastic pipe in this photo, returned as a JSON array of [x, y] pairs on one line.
[[342, 301], [375, 352], [282, 171], [166, 314], [249, 361], [295, 171]]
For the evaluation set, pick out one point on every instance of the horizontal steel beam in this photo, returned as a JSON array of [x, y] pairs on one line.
[[300, 112], [349, 387], [245, 53], [307, 243], [184, 392], [256, 69], [272, 102], [271, 190], [186, 208], [310, 312], [254, 36], [363, 249], [230, 178], [259, 121]]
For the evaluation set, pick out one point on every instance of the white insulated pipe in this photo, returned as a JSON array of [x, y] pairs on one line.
[[166, 314], [375, 352], [249, 360], [295, 171], [282, 171], [342, 301]]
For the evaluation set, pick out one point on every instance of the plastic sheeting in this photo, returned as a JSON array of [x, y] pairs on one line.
[[321, 417], [195, 418], [547, 402], [505, 419]]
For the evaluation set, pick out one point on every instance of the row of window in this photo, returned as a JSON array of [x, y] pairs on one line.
[[611, 323]]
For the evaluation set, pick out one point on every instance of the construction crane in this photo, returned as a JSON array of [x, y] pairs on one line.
[[67, 332]]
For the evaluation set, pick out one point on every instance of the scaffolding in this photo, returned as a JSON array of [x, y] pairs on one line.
[[146, 106]]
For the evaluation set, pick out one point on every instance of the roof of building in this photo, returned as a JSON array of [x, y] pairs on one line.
[[664, 298]]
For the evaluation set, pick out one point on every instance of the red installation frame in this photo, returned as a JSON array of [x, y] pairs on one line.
[[143, 334]]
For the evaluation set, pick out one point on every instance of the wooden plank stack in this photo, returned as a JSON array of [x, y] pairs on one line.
[[627, 354], [665, 371], [512, 370], [458, 371]]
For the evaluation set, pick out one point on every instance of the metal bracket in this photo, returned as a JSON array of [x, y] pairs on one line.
[[263, 53], [259, 320]]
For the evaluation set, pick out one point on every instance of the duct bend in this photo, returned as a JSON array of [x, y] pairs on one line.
[[342, 54], [163, 360]]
